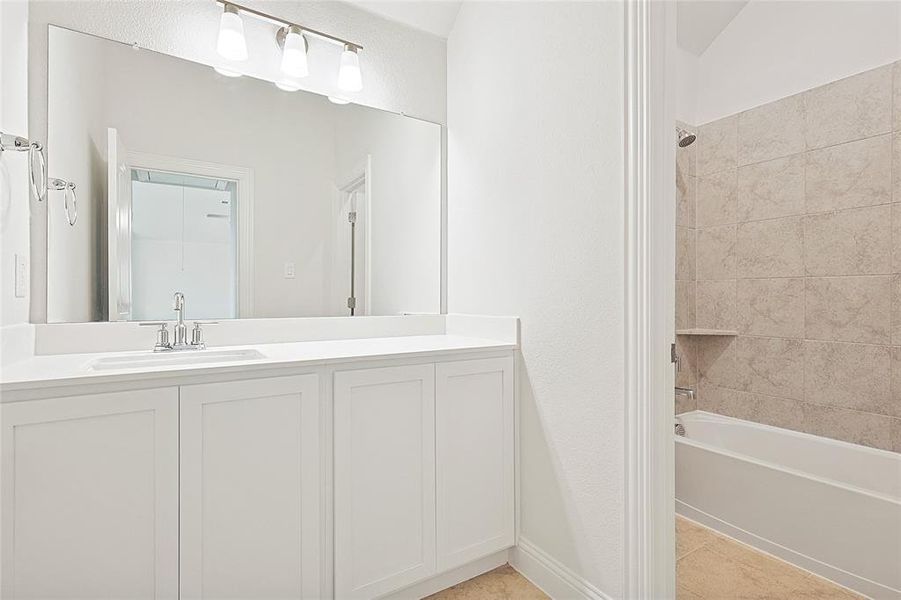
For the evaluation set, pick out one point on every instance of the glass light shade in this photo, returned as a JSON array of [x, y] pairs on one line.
[[349, 77], [286, 85], [337, 100], [231, 43], [294, 55], [226, 72]]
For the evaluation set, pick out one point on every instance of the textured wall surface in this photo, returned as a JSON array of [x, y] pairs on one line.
[[404, 70], [798, 247], [14, 194], [536, 228]]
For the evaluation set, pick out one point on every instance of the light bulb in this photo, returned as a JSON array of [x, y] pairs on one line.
[[286, 85], [226, 72], [231, 43], [349, 77], [294, 55]]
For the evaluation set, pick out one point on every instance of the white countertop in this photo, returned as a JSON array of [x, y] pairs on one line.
[[53, 371]]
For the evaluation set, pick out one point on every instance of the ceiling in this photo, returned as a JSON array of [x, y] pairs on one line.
[[698, 22], [433, 16]]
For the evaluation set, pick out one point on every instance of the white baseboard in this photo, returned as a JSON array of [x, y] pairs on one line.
[[552, 577], [451, 578]]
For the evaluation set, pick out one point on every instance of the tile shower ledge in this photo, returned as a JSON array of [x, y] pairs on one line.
[[711, 332], [65, 373]]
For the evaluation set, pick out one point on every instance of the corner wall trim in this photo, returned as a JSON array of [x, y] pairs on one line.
[[551, 576], [650, 147]]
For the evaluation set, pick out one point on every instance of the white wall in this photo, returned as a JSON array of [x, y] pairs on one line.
[[775, 49], [14, 194], [404, 70], [76, 149], [536, 229]]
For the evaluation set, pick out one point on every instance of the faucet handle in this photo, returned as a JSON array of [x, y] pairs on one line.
[[197, 333], [162, 336]]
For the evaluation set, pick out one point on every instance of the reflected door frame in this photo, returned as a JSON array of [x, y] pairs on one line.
[[244, 178], [358, 178]]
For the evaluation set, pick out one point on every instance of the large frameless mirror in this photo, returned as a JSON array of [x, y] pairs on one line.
[[250, 200]]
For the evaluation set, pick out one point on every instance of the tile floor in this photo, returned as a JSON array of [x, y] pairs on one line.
[[503, 583], [713, 567], [708, 567]]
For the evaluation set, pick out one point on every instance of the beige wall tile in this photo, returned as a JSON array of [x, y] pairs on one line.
[[855, 376], [896, 381], [770, 248], [848, 425], [716, 252], [771, 189], [770, 366], [849, 175], [896, 310], [849, 309], [849, 242], [717, 362], [715, 305], [896, 238], [726, 401], [786, 413], [685, 254], [897, 95], [896, 165], [686, 191], [770, 131], [849, 109], [771, 307], [687, 374], [716, 200], [717, 146], [685, 304], [896, 435]]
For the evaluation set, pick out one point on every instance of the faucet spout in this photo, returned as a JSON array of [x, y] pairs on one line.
[[181, 330]]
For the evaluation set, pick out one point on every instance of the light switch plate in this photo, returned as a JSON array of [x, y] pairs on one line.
[[289, 270], [21, 276]]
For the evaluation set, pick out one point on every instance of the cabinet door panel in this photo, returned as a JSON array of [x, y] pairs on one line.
[[250, 489], [90, 496], [474, 416], [384, 479]]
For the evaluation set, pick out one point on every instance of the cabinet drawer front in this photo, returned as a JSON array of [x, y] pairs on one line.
[[474, 417], [250, 489], [384, 479], [90, 496]]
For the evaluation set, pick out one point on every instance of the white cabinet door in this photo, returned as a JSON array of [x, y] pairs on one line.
[[90, 496], [384, 479], [250, 489], [474, 416]]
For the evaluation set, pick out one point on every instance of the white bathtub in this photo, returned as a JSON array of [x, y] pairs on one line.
[[830, 507]]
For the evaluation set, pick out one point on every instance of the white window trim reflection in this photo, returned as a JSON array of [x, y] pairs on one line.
[[244, 178]]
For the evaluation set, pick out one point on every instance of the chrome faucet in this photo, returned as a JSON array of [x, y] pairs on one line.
[[181, 330]]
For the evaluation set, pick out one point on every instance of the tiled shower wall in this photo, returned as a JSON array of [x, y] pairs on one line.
[[794, 241]]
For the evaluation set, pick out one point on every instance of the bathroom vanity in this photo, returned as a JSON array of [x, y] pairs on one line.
[[346, 468]]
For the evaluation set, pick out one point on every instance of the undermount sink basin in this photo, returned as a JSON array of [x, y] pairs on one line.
[[173, 359]]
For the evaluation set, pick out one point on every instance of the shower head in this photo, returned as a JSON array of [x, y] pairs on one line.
[[686, 138]]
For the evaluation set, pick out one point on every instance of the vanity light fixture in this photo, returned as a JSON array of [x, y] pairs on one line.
[[292, 38], [337, 100], [349, 77], [231, 43], [294, 53], [286, 85]]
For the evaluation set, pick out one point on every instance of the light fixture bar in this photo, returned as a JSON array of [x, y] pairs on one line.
[[283, 23]]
